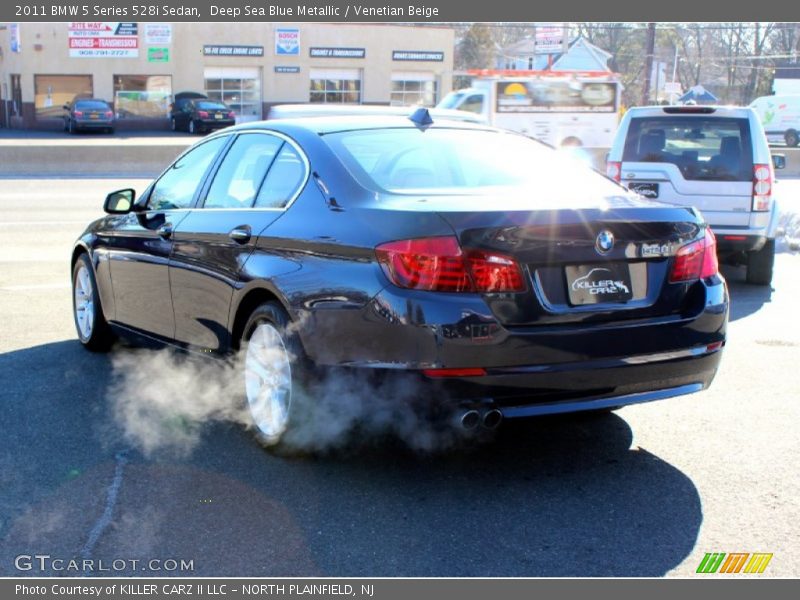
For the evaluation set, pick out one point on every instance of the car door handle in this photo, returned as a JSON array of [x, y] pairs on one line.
[[241, 234], [165, 231]]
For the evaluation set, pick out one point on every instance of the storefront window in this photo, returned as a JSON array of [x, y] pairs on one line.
[[52, 92], [413, 88], [335, 86], [142, 96], [239, 88]]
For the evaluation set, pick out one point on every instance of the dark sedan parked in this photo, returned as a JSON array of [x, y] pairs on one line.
[[199, 115], [478, 262], [89, 114]]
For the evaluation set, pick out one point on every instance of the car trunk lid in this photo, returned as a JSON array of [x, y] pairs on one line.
[[593, 264]]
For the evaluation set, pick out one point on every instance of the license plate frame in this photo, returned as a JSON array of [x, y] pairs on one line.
[[607, 283], [218, 116], [646, 189]]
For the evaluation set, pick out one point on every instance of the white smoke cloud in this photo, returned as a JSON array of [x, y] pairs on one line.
[[163, 401]]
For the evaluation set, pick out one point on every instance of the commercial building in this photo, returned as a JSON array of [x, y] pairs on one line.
[[139, 67]]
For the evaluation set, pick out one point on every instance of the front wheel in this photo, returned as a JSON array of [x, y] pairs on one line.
[[791, 138], [93, 330], [192, 127], [274, 367], [760, 264]]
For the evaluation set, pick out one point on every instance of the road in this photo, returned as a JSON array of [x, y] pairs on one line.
[[646, 491]]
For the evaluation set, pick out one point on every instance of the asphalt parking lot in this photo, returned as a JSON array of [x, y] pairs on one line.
[[646, 491]]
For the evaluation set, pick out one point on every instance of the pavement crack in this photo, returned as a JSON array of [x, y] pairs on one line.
[[108, 509]]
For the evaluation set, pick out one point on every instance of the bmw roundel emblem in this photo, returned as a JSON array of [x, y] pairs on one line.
[[604, 242]]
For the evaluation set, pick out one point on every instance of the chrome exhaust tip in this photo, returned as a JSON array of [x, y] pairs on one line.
[[470, 419], [492, 419]]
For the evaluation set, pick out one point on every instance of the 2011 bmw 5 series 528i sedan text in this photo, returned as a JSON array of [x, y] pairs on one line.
[[510, 280]]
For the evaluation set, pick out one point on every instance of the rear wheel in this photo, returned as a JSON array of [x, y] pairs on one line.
[[192, 127], [274, 369], [760, 264], [792, 138], [93, 330]]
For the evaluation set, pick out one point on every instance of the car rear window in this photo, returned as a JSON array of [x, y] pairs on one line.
[[703, 148], [211, 106], [91, 105], [463, 161]]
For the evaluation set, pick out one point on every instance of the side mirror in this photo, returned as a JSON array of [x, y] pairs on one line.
[[120, 202], [779, 161]]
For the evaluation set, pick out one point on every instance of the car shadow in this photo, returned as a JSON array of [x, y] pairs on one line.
[[557, 496], [746, 298]]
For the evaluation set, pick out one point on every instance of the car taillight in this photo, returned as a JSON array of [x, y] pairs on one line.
[[109, 114], [697, 260], [78, 113], [762, 187], [494, 272], [231, 115], [439, 264], [614, 170], [202, 114]]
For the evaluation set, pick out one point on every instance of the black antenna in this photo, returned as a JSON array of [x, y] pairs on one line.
[[421, 118]]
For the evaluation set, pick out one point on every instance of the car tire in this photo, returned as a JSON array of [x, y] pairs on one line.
[[274, 372], [93, 330], [173, 124], [71, 129], [760, 264], [192, 127], [791, 138]]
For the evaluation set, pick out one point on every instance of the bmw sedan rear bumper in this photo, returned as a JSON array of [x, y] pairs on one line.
[[589, 385], [457, 353]]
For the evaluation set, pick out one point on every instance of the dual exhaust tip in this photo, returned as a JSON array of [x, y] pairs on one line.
[[490, 419]]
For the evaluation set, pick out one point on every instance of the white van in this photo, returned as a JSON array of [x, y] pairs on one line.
[[713, 158], [780, 116]]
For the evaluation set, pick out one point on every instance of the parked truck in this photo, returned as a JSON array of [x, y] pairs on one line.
[[559, 108]]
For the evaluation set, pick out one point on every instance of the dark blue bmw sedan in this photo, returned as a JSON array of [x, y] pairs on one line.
[[509, 279]]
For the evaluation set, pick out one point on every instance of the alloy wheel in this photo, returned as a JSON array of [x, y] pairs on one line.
[[268, 381], [84, 302]]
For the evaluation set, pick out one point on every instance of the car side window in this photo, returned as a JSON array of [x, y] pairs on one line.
[[177, 186], [473, 104], [242, 171], [285, 177]]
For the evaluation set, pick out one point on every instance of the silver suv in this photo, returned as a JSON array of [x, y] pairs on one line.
[[713, 158]]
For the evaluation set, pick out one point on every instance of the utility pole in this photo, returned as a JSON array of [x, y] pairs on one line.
[[650, 47]]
